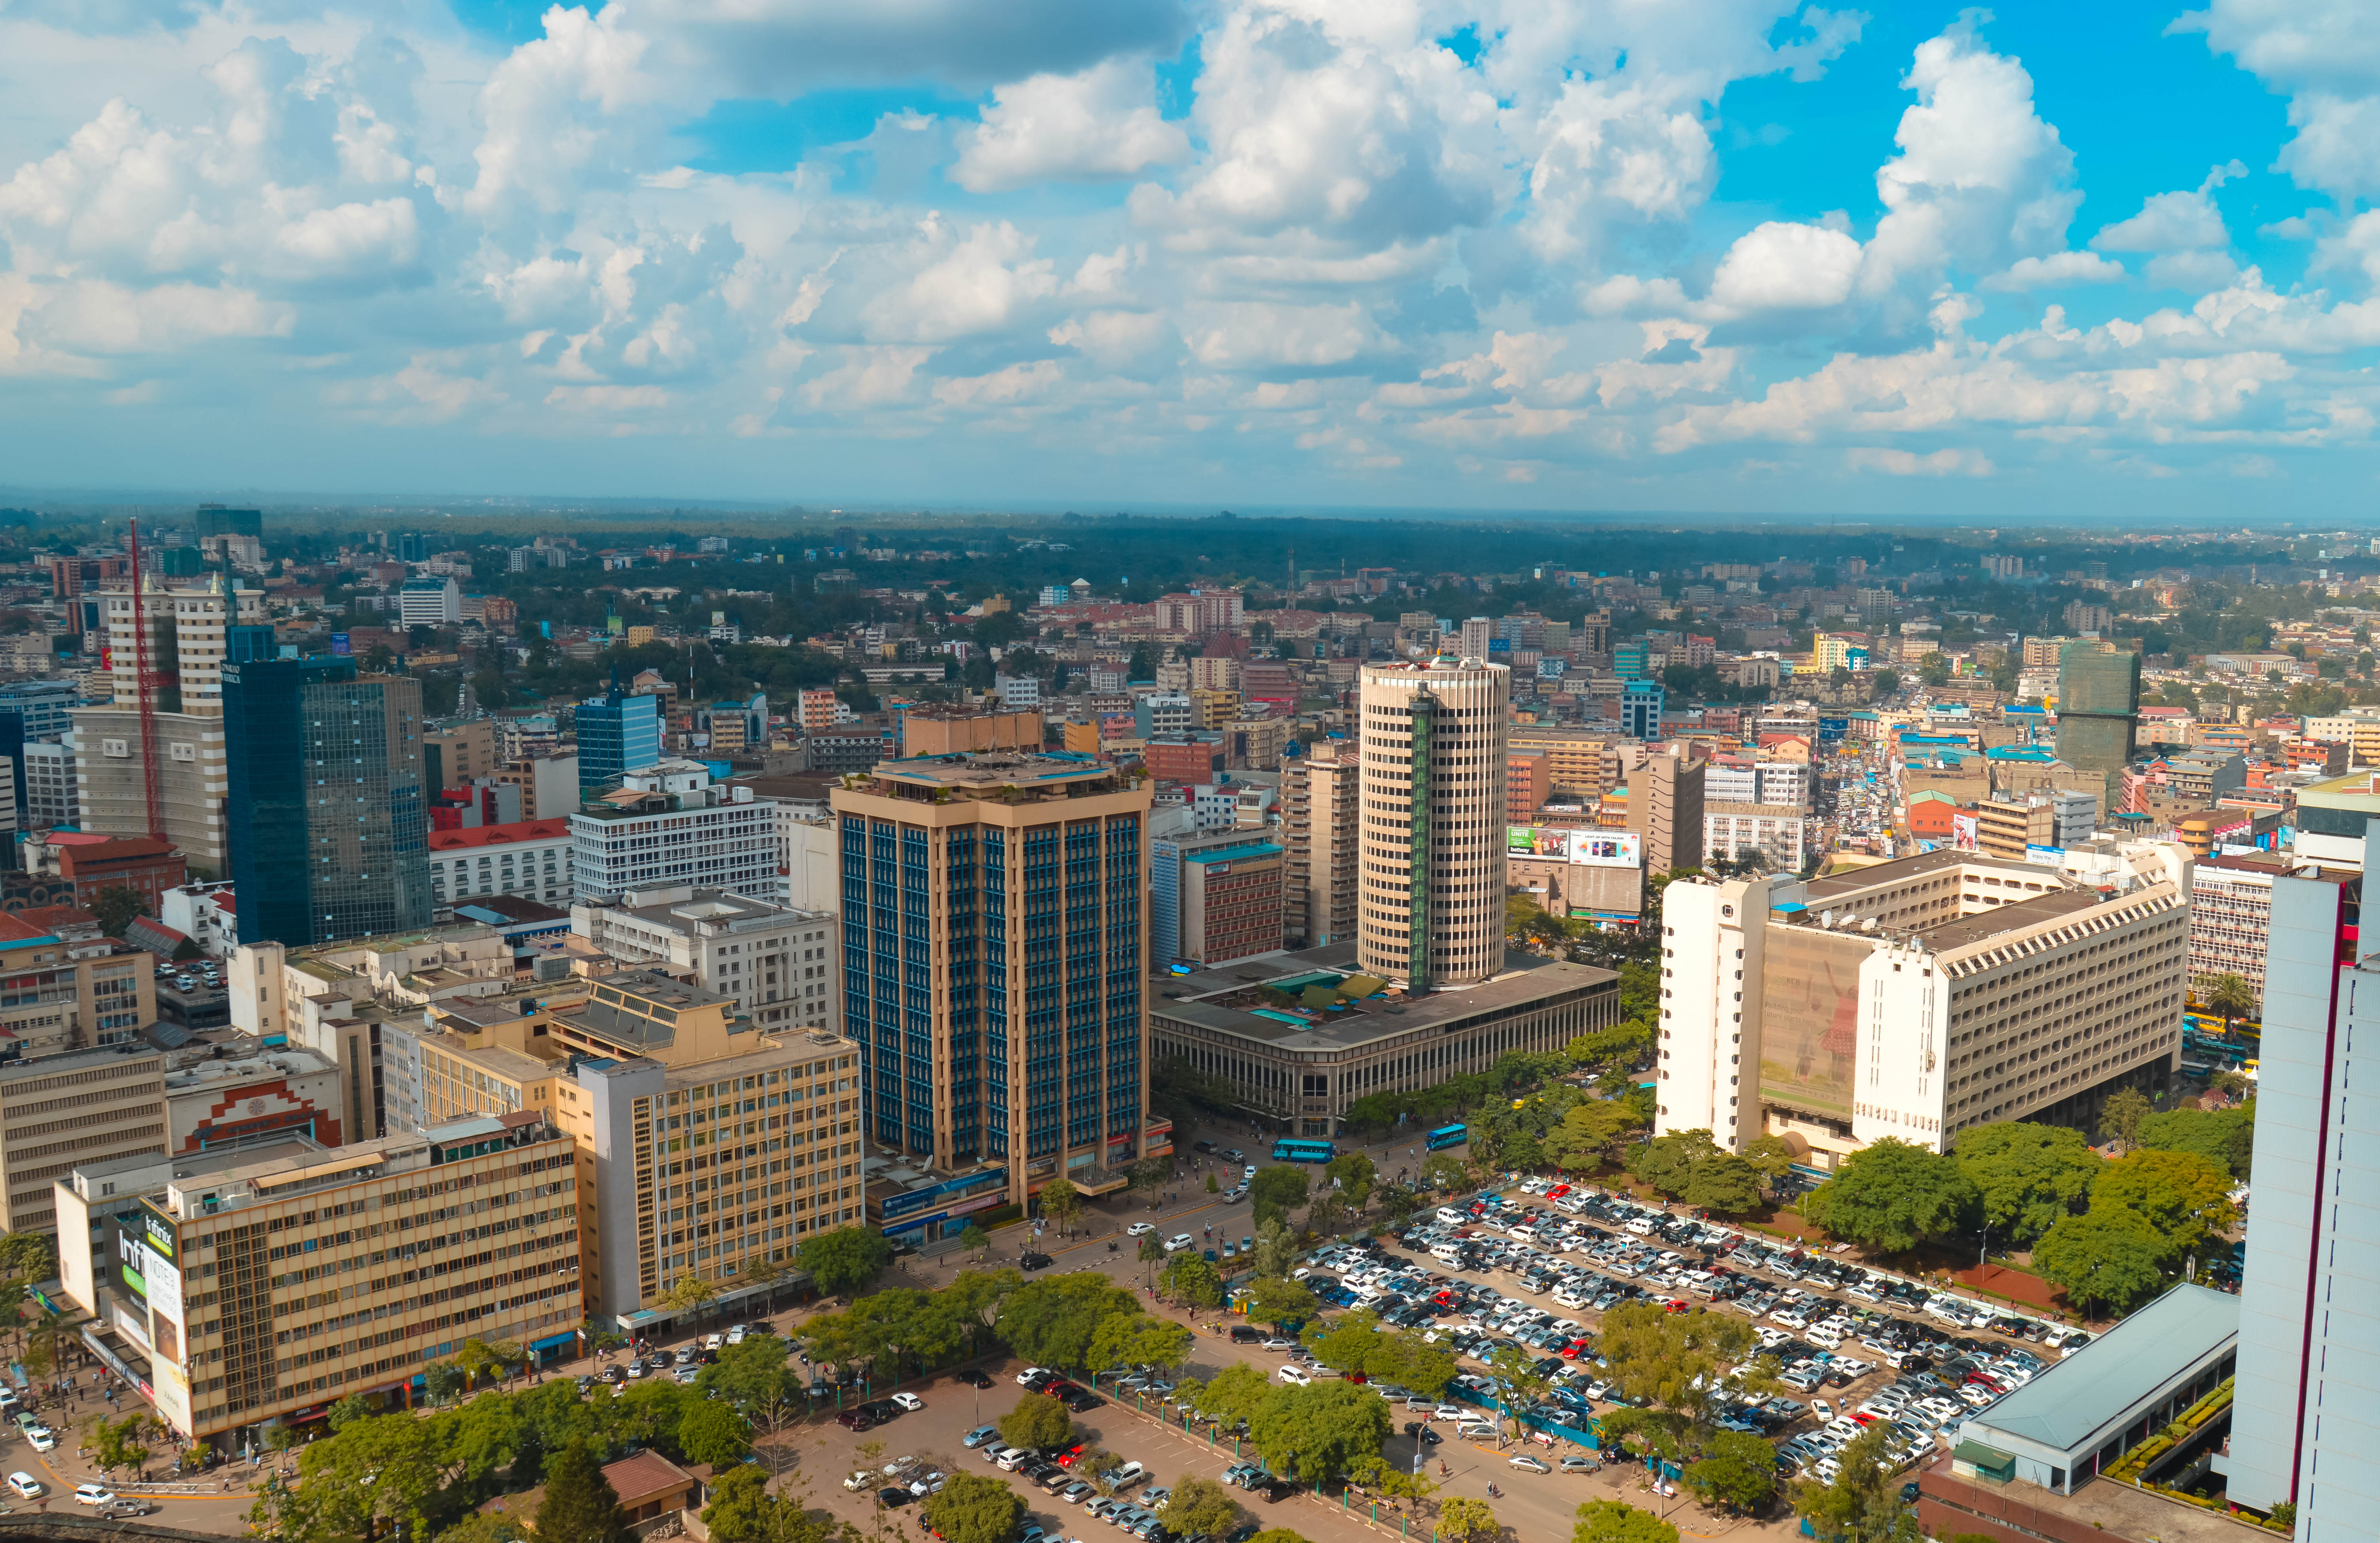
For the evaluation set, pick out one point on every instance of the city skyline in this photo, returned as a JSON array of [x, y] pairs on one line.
[[1754, 257]]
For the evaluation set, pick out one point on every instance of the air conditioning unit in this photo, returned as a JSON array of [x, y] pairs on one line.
[[116, 748], [185, 750]]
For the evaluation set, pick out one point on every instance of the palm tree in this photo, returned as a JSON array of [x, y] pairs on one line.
[[2231, 996]]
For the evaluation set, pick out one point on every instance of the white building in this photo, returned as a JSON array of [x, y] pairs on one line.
[[1019, 690], [667, 825], [1919, 997], [207, 914], [1778, 834], [198, 618], [777, 965], [49, 772], [811, 856], [430, 602], [529, 858], [1432, 906]]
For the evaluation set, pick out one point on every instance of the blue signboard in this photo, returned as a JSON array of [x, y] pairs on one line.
[[339, 643], [1832, 730]]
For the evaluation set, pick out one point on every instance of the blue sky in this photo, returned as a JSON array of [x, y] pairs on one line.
[[1736, 257]]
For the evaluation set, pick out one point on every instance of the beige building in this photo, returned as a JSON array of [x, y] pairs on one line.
[[261, 1287], [68, 988], [1432, 910], [777, 966], [186, 644], [454, 755], [1665, 808], [548, 784], [945, 732], [60, 1110], [1582, 765], [1919, 997], [192, 779], [702, 1141], [1319, 807], [1014, 891]]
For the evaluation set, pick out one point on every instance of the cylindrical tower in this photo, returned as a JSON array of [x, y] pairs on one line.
[[1433, 821]]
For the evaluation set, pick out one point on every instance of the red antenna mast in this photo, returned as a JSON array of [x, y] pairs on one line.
[[145, 688]]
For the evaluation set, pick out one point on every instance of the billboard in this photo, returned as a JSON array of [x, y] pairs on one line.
[[1584, 849], [1963, 832], [161, 1276], [1810, 1019], [1832, 730]]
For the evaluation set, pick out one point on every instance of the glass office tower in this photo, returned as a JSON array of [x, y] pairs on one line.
[[617, 735]]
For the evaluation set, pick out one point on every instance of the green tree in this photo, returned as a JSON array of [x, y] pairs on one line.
[[2231, 996], [1236, 1393], [1353, 1174], [1891, 1194], [1317, 1433], [2182, 1195], [1737, 1470], [492, 1526], [973, 1240], [118, 1445], [1618, 1522], [843, 1259], [1200, 1507], [1771, 1156], [1861, 1505], [753, 1375], [1191, 1280], [1723, 1184], [1052, 1321], [28, 1257], [118, 906], [1276, 1191], [1276, 1250], [1280, 1302], [1519, 1382], [689, 1294], [1038, 1424], [1667, 1162], [1152, 1253], [741, 1509], [1278, 1535], [2120, 1119], [1060, 1201], [1591, 1134], [1462, 1519], [2027, 1175], [711, 1432], [2223, 1136], [1668, 1362], [1138, 1340], [348, 1410], [2108, 1256], [971, 1508], [1445, 1171]]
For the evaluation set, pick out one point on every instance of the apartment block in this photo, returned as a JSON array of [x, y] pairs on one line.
[[46, 772], [60, 993], [1920, 997], [1320, 831], [702, 1142], [995, 937], [81, 1106], [1528, 785], [1665, 808], [1581, 764], [258, 1287], [457, 754], [667, 824], [777, 966], [548, 783], [190, 641], [1777, 835]]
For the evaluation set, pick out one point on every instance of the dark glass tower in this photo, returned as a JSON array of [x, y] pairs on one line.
[[327, 826], [617, 735]]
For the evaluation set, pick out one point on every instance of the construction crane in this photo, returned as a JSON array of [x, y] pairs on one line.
[[145, 691]]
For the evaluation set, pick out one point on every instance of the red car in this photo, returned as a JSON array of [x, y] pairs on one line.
[[1066, 1458], [1557, 1192], [1061, 1389]]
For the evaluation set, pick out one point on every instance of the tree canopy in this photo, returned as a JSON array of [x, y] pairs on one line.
[[1618, 1522], [2223, 1136], [1053, 1321], [2028, 1176], [1892, 1194], [1276, 1191], [2184, 1196], [974, 1508], [580, 1506], [844, 1259], [2109, 1257], [1318, 1433]]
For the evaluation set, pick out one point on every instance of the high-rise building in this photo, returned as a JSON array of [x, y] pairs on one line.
[[617, 735], [776, 966], [2305, 1416], [1214, 897], [328, 831], [1320, 803], [259, 1285], [2099, 711], [669, 824], [1665, 807], [995, 943], [111, 790], [187, 643], [46, 778], [58, 1110], [1640, 708], [1432, 912], [1920, 997], [1476, 634]]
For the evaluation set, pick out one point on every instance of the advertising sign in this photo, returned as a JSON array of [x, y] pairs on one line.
[[1832, 730], [1963, 832], [339, 643], [1607, 849]]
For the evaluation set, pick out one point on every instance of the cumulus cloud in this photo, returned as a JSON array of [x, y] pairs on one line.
[[1783, 266], [2056, 271], [1098, 124]]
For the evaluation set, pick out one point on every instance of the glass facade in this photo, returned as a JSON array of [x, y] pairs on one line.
[[617, 735]]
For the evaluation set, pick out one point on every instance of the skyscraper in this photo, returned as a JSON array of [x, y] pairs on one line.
[[617, 735], [327, 831], [2099, 711], [995, 941], [1320, 812], [1432, 908], [2306, 1404]]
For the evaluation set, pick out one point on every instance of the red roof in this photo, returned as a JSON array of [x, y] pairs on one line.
[[495, 835]]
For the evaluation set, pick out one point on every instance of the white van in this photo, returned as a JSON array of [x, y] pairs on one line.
[[1294, 1376], [1566, 1297], [1525, 1233]]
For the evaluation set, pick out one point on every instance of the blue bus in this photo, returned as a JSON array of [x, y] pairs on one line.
[[1286, 1150], [1448, 1135]]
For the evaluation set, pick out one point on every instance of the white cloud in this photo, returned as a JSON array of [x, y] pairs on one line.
[[2055, 271], [2325, 56], [2174, 222], [1907, 463], [1783, 266], [1100, 124]]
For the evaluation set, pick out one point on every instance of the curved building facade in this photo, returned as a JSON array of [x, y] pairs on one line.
[[1432, 891]]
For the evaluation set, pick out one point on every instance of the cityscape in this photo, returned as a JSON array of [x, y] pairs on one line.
[[1250, 770]]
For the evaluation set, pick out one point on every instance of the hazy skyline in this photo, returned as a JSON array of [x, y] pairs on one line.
[[1733, 258]]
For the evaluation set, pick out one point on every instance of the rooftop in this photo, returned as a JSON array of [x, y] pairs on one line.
[[2071, 1401], [1227, 998], [488, 835], [992, 772], [1232, 854]]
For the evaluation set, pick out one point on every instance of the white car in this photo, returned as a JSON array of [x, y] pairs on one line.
[[24, 1484], [1141, 1229], [910, 1402], [93, 1494], [40, 1438], [1294, 1375], [1029, 1373], [1177, 1243]]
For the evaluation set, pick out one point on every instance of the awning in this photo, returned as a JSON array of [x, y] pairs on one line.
[[1975, 1460]]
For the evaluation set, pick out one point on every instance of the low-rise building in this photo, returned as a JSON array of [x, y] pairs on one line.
[[64, 988], [778, 967], [1777, 835], [250, 1098], [207, 914], [529, 857]]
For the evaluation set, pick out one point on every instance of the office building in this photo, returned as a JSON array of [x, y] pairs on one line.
[[776, 966], [89, 863], [532, 859], [1476, 633], [187, 644], [617, 735], [1919, 997], [46, 707], [1582, 765], [995, 942], [1777, 836], [1320, 807], [1017, 692], [1350, 1034], [258, 1287], [59, 1111], [252, 1099], [2017, 825], [1161, 714], [952, 732], [68, 988], [2305, 1419], [328, 826], [548, 783], [1214, 896], [2098, 711], [430, 602], [1640, 710], [457, 754], [111, 791], [2232, 915], [819, 708], [1665, 809], [1528, 785], [669, 824], [45, 775], [1432, 911], [702, 1142]]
